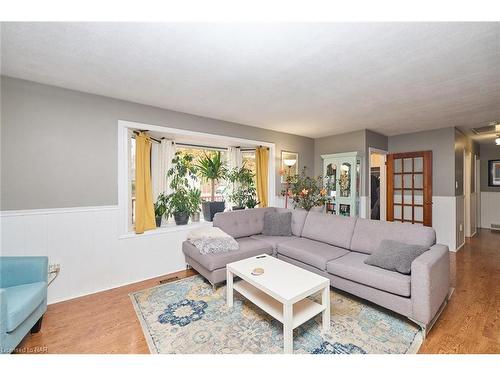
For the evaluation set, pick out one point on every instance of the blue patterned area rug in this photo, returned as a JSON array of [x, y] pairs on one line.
[[187, 316]]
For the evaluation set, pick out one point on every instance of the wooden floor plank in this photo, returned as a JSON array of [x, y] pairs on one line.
[[106, 322]]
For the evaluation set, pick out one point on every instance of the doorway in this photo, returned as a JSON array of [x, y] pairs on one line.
[[409, 187], [377, 185]]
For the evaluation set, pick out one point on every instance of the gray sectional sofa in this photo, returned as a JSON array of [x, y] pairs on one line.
[[336, 247]]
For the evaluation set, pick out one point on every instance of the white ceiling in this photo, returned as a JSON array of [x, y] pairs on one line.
[[307, 79]]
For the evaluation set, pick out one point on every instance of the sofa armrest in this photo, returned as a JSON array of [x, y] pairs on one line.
[[430, 282], [3, 315], [22, 270]]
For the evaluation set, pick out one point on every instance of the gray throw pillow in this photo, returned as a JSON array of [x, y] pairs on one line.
[[277, 224], [395, 256]]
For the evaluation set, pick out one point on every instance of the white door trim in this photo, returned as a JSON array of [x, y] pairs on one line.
[[383, 177]]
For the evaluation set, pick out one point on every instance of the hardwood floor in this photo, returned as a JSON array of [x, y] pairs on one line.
[[106, 322], [471, 321]]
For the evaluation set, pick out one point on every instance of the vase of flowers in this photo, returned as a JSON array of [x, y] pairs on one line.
[[306, 192]]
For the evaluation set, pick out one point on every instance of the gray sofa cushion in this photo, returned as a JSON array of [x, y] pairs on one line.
[[332, 229], [368, 234], [298, 219], [395, 256], [277, 224], [352, 267], [242, 223], [248, 247], [273, 240], [311, 252]]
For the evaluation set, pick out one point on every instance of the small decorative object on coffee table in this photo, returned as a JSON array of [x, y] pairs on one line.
[[257, 271], [281, 291]]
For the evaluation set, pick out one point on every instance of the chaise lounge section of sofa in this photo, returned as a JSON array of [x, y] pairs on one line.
[[336, 247]]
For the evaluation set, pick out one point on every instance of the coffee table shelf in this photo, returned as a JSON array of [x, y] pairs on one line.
[[302, 310]]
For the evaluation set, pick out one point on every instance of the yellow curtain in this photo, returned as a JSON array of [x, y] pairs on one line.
[[144, 211], [262, 170]]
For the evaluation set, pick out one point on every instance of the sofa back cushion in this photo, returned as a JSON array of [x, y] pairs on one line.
[[298, 219], [332, 229], [241, 223], [368, 234]]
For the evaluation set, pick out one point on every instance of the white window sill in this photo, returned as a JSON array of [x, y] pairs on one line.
[[169, 228]]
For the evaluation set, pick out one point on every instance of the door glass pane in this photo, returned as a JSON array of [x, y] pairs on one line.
[[407, 198], [397, 212], [408, 165], [397, 181], [407, 213], [418, 197], [418, 181], [419, 164], [419, 213], [398, 197], [397, 166], [407, 181]]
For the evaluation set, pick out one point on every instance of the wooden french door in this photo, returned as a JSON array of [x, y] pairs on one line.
[[409, 187]]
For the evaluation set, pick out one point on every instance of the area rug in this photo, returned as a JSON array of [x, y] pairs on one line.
[[188, 317]]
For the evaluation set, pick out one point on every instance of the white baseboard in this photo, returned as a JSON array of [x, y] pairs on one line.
[[459, 248]]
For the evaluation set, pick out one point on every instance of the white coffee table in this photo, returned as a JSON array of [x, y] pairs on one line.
[[281, 291]]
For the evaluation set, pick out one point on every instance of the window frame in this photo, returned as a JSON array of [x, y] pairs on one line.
[[124, 183]]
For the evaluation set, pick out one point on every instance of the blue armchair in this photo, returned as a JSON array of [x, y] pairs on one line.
[[23, 298]]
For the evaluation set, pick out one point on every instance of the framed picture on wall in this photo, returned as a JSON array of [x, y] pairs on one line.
[[289, 164], [494, 173]]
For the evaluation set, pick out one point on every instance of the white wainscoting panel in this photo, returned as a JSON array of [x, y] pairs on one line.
[[444, 220], [86, 243], [490, 208]]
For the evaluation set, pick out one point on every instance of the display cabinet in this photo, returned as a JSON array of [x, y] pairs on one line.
[[342, 180]]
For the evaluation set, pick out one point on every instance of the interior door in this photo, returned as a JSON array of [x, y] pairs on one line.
[[409, 187]]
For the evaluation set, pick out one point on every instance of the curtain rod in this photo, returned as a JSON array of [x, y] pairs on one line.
[[144, 131], [194, 145], [201, 146]]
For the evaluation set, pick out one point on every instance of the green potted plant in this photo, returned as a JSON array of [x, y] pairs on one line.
[[195, 200], [160, 208], [242, 191], [213, 169], [178, 203]]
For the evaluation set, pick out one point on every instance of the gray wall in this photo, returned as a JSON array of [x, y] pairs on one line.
[[59, 147], [488, 151], [442, 143]]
